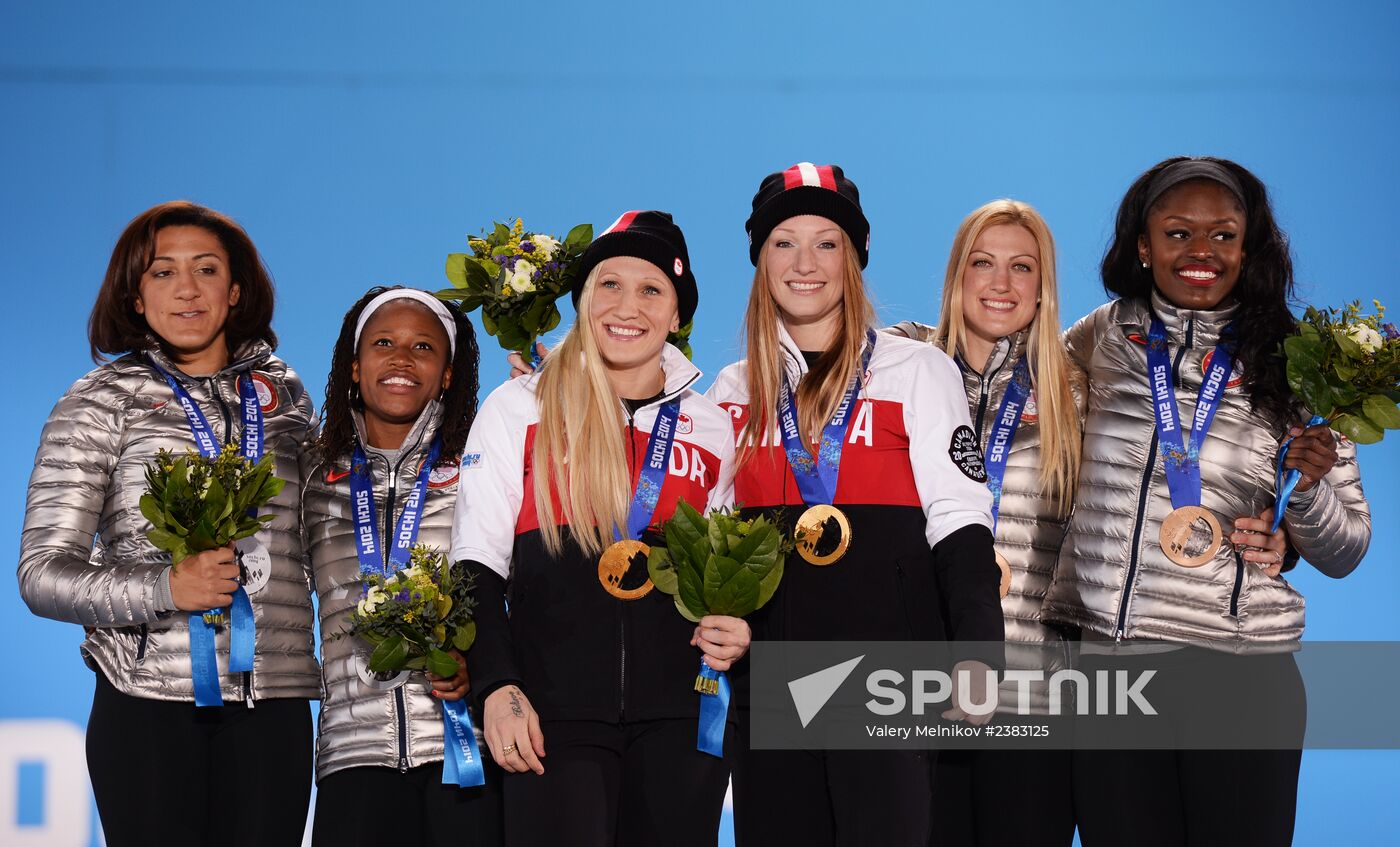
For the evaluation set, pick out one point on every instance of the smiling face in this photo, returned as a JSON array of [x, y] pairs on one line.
[[1194, 243], [1001, 283], [633, 308], [804, 260], [402, 362], [186, 294]]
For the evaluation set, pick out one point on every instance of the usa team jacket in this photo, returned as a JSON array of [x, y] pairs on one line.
[[578, 652], [921, 564]]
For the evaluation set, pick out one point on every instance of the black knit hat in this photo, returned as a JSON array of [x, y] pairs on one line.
[[808, 189], [645, 235]]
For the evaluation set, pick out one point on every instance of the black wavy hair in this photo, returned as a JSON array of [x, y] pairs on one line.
[[1264, 290], [337, 437]]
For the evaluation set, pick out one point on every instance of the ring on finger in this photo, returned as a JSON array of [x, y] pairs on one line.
[[507, 750]]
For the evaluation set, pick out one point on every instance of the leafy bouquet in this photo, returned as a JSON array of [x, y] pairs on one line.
[[1345, 367], [196, 504], [414, 616], [515, 277], [718, 565]]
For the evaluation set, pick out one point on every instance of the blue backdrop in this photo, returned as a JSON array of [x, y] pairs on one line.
[[359, 144]]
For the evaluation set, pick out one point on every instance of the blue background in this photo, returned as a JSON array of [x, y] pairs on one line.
[[359, 144]]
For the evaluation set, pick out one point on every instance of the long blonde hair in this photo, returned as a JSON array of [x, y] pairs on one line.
[[825, 383], [1049, 365], [579, 448]]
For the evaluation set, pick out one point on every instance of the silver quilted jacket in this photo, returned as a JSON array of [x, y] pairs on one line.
[[89, 475], [364, 721], [1113, 579], [1029, 528]]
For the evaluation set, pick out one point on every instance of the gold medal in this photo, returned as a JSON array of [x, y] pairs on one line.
[[1005, 567], [615, 564], [814, 535], [1183, 536]]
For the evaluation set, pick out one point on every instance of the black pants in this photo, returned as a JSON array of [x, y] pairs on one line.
[[381, 806], [607, 784], [817, 798], [991, 798], [1181, 798], [171, 773]]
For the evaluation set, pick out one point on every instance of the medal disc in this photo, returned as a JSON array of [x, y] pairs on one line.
[[616, 568], [254, 563], [1190, 536], [1005, 566], [823, 534], [376, 681]]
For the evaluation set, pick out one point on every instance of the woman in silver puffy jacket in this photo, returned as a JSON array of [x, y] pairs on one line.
[[399, 402], [186, 304], [1203, 279]]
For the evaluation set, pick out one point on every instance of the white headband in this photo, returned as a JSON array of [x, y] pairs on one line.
[[448, 323]]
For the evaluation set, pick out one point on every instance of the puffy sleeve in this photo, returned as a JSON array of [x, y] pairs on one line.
[[1330, 523]]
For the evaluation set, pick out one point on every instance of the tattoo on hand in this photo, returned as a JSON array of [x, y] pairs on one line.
[[515, 707]]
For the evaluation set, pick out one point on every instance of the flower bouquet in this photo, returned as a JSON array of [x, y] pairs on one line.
[[717, 565], [515, 277], [1345, 367], [413, 617], [197, 504]]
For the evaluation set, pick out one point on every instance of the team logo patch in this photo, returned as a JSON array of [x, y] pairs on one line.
[[444, 475], [470, 461], [267, 392], [680, 268], [1236, 376], [334, 475], [684, 425], [1030, 414], [966, 454]]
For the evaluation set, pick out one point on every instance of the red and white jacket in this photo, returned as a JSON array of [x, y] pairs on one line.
[[913, 487], [578, 652]]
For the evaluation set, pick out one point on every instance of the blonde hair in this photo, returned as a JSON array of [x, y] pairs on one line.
[[821, 389], [579, 448], [1050, 368]]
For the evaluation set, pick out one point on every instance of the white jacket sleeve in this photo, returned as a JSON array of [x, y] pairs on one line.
[[492, 480], [722, 495], [940, 438]]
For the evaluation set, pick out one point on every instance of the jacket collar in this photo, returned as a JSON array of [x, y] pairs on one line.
[[794, 363], [1008, 349], [1205, 325], [249, 355], [423, 429]]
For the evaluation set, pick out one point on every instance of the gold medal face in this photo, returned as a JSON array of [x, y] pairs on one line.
[[1184, 536], [1005, 567], [617, 562], [823, 534]]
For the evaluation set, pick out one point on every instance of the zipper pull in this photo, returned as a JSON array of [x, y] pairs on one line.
[[403, 764]]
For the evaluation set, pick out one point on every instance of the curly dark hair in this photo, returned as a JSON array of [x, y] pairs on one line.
[[337, 437], [1264, 291]]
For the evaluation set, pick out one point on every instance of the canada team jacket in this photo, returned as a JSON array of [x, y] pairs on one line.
[[911, 477], [578, 652]]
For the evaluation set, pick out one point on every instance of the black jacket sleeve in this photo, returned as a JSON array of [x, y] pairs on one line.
[[969, 580], [491, 660]]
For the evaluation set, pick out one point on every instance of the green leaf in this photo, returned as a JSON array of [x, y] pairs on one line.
[[730, 589], [769, 583], [464, 637], [1310, 386], [551, 319], [720, 570], [1307, 330], [163, 540], [456, 269], [719, 541], [1350, 348], [1345, 372], [662, 570], [151, 510], [691, 584], [389, 656], [1358, 429], [1303, 349], [441, 663], [579, 237], [686, 613], [500, 235], [487, 322], [1381, 411]]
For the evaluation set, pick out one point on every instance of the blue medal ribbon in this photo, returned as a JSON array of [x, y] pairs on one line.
[[1286, 479], [1181, 455], [653, 474], [204, 663], [816, 476], [461, 760], [1004, 427], [369, 546], [713, 686]]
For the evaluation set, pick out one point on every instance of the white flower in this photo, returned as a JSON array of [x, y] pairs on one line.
[[544, 246], [408, 574], [372, 600], [522, 278], [1368, 339]]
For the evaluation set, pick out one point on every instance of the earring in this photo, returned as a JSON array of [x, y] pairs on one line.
[[353, 393], [1146, 265]]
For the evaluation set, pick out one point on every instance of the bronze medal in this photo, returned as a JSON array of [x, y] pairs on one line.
[[1183, 534], [1005, 567], [823, 535], [616, 564]]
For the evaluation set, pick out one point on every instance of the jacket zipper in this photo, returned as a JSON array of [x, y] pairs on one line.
[[1143, 491], [400, 709], [1239, 583], [141, 645], [227, 418], [986, 393], [622, 604]]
